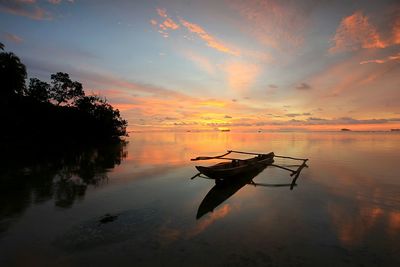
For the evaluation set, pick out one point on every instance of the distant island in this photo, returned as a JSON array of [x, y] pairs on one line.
[[52, 113], [395, 130], [345, 130]]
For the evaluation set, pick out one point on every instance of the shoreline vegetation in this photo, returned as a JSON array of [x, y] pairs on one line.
[[58, 113]]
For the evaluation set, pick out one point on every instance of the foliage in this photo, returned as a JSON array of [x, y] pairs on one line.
[[12, 74], [99, 110], [38, 90], [64, 89], [56, 112]]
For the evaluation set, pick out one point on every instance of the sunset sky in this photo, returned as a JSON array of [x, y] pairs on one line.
[[205, 65]]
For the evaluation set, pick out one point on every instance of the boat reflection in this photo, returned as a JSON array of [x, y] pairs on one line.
[[224, 189]]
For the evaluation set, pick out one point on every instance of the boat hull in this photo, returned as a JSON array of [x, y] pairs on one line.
[[228, 170]]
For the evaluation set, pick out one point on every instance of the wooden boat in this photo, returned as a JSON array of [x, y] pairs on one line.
[[235, 167], [231, 176]]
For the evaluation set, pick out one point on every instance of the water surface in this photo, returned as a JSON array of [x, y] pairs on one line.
[[136, 204]]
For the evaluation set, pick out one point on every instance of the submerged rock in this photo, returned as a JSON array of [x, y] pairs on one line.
[[134, 224]]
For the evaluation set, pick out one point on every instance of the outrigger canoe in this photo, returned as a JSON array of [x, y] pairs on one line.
[[234, 167]]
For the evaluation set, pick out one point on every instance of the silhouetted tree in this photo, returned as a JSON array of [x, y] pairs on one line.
[[64, 89], [56, 112], [12, 74], [38, 90], [108, 119]]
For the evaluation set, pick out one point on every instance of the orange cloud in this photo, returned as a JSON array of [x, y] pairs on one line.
[[26, 9], [381, 61], [202, 62], [272, 23], [169, 23], [396, 32], [209, 39], [162, 12], [241, 75], [355, 32]]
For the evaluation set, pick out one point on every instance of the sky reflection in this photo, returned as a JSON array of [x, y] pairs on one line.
[[345, 209]]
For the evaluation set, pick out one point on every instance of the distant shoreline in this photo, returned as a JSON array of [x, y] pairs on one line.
[[261, 132]]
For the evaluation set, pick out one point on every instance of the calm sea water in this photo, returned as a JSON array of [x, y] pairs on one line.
[[136, 204]]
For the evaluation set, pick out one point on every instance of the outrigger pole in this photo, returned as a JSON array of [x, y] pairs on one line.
[[252, 153], [207, 158], [243, 152]]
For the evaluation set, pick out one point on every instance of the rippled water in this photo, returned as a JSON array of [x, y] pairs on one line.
[[136, 205]]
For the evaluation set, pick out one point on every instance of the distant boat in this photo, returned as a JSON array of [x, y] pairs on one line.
[[345, 130], [225, 130]]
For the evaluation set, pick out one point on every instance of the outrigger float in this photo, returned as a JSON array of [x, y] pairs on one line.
[[235, 167]]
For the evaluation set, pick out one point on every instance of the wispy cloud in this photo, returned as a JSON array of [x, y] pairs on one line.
[[166, 24], [202, 62], [396, 31], [241, 75], [303, 86], [210, 40], [54, 2], [162, 12], [169, 23], [272, 23], [381, 61], [356, 32], [13, 38], [25, 8]]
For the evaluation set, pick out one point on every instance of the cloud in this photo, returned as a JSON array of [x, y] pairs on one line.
[[227, 117], [241, 75], [162, 12], [13, 38], [396, 31], [381, 61], [273, 86], [291, 115], [355, 32], [347, 121], [312, 121], [202, 62], [25, 8], [153, 22], [210, 40], [169, 23], [272, 23], [57, 2], [303, 86]]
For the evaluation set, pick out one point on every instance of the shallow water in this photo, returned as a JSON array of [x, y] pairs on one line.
[[137, 205]]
